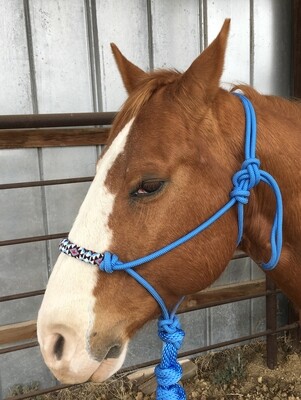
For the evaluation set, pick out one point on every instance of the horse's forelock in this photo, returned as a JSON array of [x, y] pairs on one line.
[[139, 98]]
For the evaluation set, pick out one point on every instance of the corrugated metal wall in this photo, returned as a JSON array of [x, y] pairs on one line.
[[55, 57]]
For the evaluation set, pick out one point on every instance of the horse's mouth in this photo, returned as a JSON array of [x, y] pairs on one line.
[[111, 364], [114, 352]]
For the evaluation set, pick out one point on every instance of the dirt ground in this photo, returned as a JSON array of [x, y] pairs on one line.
[[238, 373]]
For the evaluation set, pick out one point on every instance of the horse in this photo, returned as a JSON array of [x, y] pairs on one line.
[[172, 151]]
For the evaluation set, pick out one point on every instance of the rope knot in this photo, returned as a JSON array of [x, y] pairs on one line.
[[174, 392], [245, 179], [168, 376], [169, 331], [109, 262], [169, 371]]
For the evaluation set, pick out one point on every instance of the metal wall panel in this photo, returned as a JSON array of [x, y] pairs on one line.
[[176, 33], [237, 65], [127, 27], [13, 367], [57, 58], [272, 46], [60, 56], [15, 93]]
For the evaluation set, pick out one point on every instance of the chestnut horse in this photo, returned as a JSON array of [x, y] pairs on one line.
[[171, 154]]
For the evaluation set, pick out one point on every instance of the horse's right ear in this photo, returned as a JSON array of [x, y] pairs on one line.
[[131, 75], [201, 80]]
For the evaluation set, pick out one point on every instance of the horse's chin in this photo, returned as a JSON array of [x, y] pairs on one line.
[[109, 367]]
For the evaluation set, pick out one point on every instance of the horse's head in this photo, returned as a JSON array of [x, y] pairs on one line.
[[162, 173]]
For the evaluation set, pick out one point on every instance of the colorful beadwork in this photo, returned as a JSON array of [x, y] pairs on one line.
[[73, 250]]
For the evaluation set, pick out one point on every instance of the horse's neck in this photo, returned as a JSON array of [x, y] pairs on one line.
[[279, 149]]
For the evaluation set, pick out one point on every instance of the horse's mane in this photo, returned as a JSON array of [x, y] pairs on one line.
[[273, 103]]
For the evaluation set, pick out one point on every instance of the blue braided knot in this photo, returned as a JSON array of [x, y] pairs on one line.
[[109, 262], [169, 371], [245, 179], [174, 392]]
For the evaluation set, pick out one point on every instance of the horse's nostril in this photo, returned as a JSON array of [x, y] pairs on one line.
[[59, 347], [114, 352]]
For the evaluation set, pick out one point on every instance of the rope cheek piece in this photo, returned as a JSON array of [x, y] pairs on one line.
[[169, 371]]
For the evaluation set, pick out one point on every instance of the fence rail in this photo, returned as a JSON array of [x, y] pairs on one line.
[[208, 298]]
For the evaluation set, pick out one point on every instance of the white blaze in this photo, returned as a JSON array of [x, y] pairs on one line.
[[68, 303], [90, 228]]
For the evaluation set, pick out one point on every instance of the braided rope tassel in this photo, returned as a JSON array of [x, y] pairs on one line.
[[169, 371]]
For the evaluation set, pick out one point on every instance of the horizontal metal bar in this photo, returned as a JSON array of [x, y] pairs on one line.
[[185, 354], [23, 346], [32, 239], [56, 120], [50, 182], [23, 295]]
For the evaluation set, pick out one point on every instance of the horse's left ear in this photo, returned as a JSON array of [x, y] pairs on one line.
[[131, 75], [203, 76]]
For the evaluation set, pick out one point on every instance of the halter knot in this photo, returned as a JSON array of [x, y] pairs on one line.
[[245, 179], [169, 331], [109, 262]]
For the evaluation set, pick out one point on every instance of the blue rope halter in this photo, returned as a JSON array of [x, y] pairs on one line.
[[169, 371]]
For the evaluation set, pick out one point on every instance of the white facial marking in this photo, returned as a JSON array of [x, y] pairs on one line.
[[68, 304], [90, 228]]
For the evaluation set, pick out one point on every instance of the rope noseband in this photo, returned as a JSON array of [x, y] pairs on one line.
[[169, 371]]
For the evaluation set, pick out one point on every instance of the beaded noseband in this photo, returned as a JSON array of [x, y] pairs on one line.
[[169, 371]]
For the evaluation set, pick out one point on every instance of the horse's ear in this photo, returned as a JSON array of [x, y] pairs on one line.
[[131, 74], [203, 76]]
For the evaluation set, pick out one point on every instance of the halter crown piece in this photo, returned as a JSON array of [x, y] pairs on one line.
[[169, 371]]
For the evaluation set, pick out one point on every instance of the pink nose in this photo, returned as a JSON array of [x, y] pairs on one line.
[[66, 355], [53, 347]]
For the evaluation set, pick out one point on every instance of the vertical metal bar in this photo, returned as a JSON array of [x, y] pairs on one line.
[[271, 323], [98, 80], [296, 53], [201, 25], [150, 34], [94, 57], [294, 315], [252, 52], [205, 19], [91, 54], [32, 69]]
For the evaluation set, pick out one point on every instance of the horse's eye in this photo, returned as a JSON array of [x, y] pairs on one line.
[[146, 188]]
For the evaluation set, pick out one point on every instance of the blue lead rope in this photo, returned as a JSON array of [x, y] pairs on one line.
[[169, 372]]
